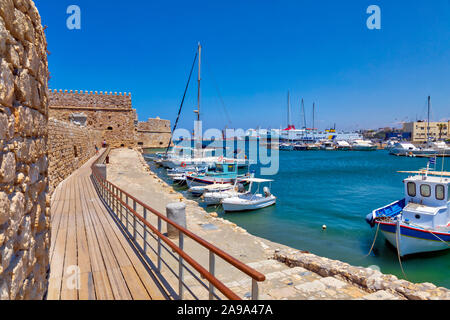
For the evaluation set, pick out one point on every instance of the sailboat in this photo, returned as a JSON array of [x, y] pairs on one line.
[[199, 156], [287, 145]]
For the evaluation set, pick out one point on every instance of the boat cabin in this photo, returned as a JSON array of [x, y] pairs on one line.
[[427, 200]]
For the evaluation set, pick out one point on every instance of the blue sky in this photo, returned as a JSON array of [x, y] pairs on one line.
[[253, 53]]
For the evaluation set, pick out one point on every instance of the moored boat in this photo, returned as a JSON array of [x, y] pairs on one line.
[[250, 201], [421, 221]]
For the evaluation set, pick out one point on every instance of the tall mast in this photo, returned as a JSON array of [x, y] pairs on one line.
[[289, 110], [199, 80], [313, 128], [428, 123], [304, 116]]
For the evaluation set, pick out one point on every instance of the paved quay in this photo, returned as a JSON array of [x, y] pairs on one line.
[[290, 274]]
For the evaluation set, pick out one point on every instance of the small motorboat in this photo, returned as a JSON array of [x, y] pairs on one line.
[[225, 173], [250, 201], [218, 187], [421, 221], [215, 197]]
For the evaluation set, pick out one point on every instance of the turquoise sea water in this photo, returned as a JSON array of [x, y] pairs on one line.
[[339, 189]]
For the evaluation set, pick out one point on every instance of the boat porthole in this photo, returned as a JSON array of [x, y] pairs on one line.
[[417, 216]]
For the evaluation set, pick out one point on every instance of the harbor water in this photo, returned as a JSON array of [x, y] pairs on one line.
[[338, 189]]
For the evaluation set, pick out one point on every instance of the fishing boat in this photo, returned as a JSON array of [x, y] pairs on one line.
[[225, 173], [250, 201], [363, 145], [421, 221]]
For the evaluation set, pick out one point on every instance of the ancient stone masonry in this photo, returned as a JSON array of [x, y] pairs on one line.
[[69, 147], [111, 113], [24, 201], [154, 133]]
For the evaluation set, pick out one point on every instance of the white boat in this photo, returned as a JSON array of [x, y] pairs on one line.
[[215, 197], [286, 147], [441, 147], [250, 201], [421, 221], [403, 149], [200, 190], [342, 145], [363, 145]]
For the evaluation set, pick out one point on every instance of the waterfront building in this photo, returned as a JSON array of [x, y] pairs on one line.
[[419, 130]]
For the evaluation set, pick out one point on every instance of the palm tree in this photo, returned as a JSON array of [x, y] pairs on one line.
[[441, 126]]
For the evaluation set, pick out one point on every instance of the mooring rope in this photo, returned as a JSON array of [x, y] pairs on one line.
[[374, 240], [397, 236]]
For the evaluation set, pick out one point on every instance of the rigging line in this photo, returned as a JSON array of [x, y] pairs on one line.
[[182, 102], [216, 86]]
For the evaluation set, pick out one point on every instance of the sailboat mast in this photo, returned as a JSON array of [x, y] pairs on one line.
[[289, 109], [314, 111], [199, 79], [428, 123], [304, 116]]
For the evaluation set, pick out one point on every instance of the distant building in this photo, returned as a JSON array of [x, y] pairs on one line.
[[419, 130]]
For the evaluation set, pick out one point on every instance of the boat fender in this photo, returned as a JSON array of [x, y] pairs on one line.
[[370, 220]]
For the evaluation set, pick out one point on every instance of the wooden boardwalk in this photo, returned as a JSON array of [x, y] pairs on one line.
[[90, 256]]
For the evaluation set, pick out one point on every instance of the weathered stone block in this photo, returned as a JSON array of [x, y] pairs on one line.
[[7, 167], [6, 84]]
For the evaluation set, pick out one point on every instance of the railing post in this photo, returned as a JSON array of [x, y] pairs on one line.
[[212, 267], [145, 231], [121, 206], [126, 196], [255, 291], [180, 266], [134, 220], [159, 244]]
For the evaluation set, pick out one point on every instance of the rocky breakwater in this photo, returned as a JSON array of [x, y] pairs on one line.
[[24, 201], [367, 279]]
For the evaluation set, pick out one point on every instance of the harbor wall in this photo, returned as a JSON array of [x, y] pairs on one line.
[[24, 200], [69, 147]]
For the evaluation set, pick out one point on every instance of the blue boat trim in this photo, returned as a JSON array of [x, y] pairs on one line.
[[414, 232]]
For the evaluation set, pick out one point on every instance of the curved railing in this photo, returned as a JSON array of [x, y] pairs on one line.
[[124, 206]]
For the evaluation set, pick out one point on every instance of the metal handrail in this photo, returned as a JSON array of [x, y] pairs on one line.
[[114, 193]]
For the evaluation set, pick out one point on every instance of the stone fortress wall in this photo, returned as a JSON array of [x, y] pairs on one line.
[[110, 113], [69, 147], [153, 133], [24, 200]]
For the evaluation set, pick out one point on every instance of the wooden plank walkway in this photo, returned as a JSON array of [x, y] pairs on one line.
[[90, 256]]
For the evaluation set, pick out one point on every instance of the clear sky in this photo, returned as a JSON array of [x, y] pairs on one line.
[[253, 53]]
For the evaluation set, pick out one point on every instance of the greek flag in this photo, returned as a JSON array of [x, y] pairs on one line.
[[432, 161]]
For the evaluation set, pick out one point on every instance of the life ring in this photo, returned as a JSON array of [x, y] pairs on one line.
[[183, 164], [220, 159]]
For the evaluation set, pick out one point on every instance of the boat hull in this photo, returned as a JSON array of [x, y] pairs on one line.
[[250, 206], [414, 240]]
